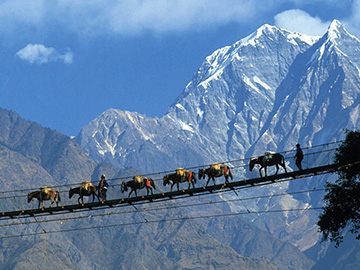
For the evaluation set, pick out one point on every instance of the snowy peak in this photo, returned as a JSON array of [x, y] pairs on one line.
[[337, 32], [107, 133], [337, 42], [335, 29], [319, 95], [338, 36], [264, 41], [269, 33], [130, 118]]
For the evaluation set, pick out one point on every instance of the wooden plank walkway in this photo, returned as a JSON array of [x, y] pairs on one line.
[[158, 197]]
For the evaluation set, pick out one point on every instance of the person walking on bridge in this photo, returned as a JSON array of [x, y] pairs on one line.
[[299, 156], [102, 188]]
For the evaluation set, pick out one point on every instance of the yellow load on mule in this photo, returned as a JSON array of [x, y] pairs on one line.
[[86, 185], [215, 166], [138, 179], [180, 171], [45, 189]]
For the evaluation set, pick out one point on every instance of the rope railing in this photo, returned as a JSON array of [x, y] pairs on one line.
[[243, 163]]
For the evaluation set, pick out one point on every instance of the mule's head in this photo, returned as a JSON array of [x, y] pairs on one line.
[[166, 180], [29, 197], [123, 187], [193, 176], [71, 193], [252, 163], [201, 173]]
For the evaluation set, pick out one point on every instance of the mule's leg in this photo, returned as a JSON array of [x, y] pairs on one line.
[[193, 183], [207, 181], [130, 193], [226, 178], [178, 187], [260, 171], [277, 169]]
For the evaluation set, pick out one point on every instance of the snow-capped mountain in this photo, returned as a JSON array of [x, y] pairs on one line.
[[268, 91], [319, 96], [218, 116]]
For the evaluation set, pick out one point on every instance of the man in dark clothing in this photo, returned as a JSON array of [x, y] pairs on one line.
[[299, 156], [102, 188]]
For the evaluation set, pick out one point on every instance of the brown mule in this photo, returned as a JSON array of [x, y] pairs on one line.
[[138, 182], [45, 195], [216, 170], [81, 191], [180, 176], [270, 159]]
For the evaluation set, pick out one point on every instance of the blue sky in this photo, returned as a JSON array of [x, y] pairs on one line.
[[63, 63]]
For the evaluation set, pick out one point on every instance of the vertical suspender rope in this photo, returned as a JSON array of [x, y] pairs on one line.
[[247, 209], [44, 241], [45, 253], [140, 213]]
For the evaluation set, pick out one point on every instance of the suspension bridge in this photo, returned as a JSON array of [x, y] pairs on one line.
[[320, 160]]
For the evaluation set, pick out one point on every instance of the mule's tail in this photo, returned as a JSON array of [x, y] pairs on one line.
[[283, 162], [152, 183], [230, 173]]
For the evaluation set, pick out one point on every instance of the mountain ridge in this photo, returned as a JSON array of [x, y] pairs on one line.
[[32, 156]]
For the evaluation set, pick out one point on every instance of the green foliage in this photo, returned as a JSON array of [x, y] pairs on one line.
[[349, 153], [342, 207]]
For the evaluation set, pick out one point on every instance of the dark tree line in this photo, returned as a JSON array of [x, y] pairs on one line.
[[342, 201]]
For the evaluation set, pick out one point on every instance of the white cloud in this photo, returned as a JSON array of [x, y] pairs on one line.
[[20, 14], [177, 15], [299, 21], [133, 17], [39, 54], [126, 17]]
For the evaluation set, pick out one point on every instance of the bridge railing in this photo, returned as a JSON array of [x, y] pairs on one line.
[[315, 156]]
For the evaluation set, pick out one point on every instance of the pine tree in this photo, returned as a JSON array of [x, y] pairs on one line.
[[342, 201]]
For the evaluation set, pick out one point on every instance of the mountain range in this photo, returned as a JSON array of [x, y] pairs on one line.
[[268, 91], [32, 156]]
